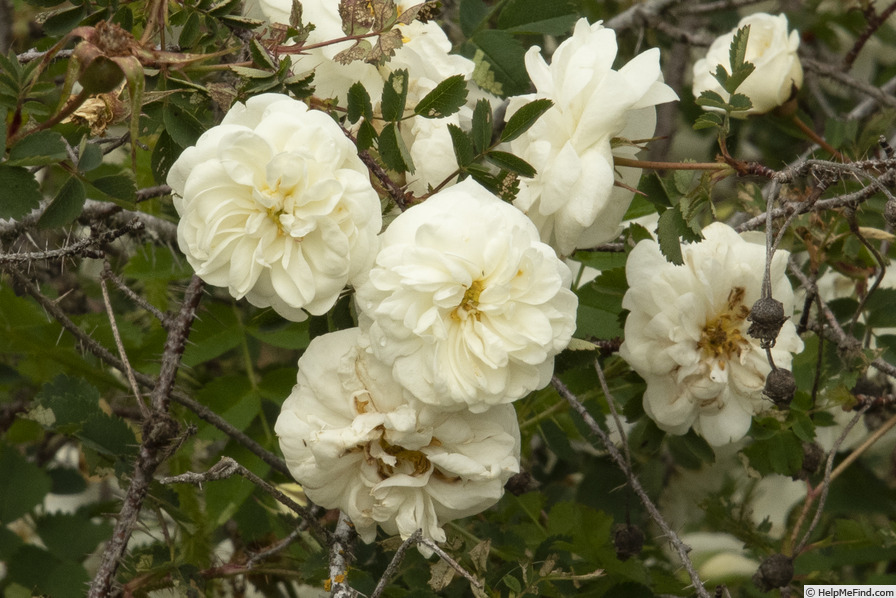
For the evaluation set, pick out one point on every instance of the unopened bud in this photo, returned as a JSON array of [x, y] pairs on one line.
[[628, 540]]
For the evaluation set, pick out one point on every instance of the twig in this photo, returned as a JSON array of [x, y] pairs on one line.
[[709, 7], [89, 247], [177, 396], [277, 547], [390, 571], [833, 71], [341, 558], [158, 431], [654, 513], [129, 371], [825, 486], [874, 24], [150, 192], [611, 402], [34, 54], [165, 320], [451, 562], [638, 14], [226, 468]]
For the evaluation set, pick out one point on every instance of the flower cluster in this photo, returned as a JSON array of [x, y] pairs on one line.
[[686, 333], [771, 50], [424, 53], [573, 199], [404, 422]]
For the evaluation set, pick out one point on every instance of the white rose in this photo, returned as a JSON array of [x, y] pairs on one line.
[[572, 199], [424, 52], [771, 49], [465, 303], [356, 441], [686, 333], [276, 206]]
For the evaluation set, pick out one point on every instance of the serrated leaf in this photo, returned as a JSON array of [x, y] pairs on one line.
[[708, 120], [721, 75], [739, 102], [481, 130], [163, 156], [260, 55], [38, 149], [668, 231], [190, 31], [577, 344], [21, 193], [224, 7], [511, 163], [108, 435], [358, 103], [446, 99], [524, 118], [505, 54], [66, 206], [395, 95], [367, 135], [738, 77], [393, 151], [463, 145], [710, 99], [250, 73], [295, 14], [737, 51]]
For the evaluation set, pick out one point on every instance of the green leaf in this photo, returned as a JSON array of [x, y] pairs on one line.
[[395, 95], [90, 156], [510, 163], [260, 55], [524, 118], [537, 17], [3, 121], [505, 54], [481, 130], [163, 156], [721, 75], [669, 230], [472, 14], [71, 400], [45, 574], [710, 99], [24, 485], [71, 537], [738, 77], [393, 150], [708, 120], [109, 436], [737, 52], [224, 7], [63, 21], [359, 103], [66, 206], [21, 193], [116, 186], [367, 135], [38, 149], [446, 99], [463, 145], [183, 127], [740, 103]]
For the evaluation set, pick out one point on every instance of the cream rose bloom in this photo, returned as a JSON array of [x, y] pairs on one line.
[[465, 303], [771, 49], [572, 200], [275, 205], [686, 333], [425, 52], [355, 440]]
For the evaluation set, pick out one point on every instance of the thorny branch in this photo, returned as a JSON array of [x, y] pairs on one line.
[[158, 431], [226, 468], [680, 548]]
